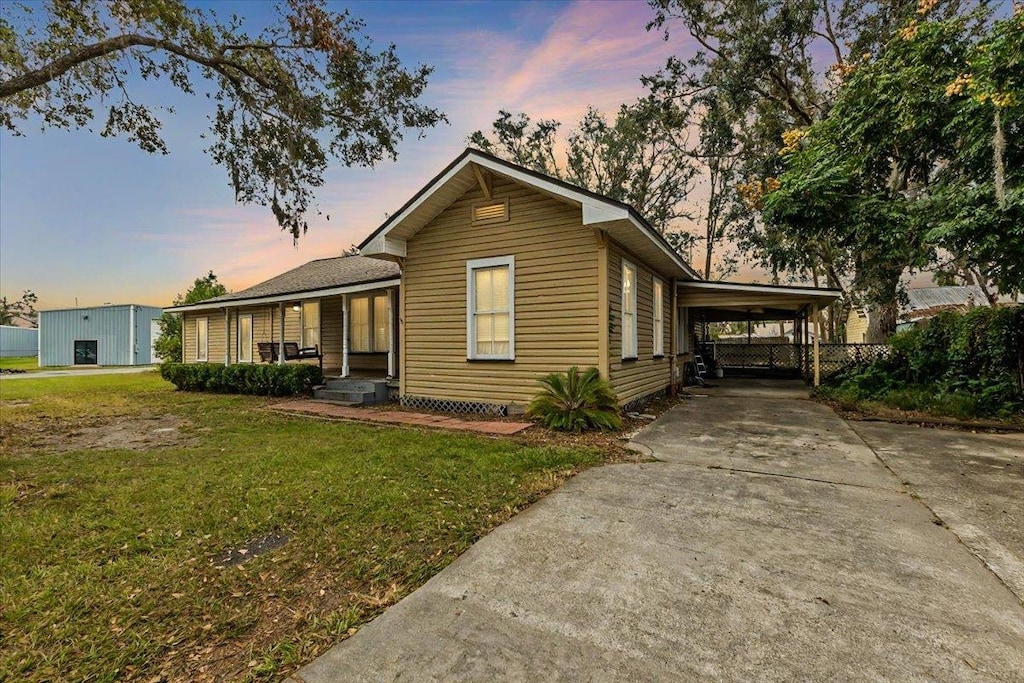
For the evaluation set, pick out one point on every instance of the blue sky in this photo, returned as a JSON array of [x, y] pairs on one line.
[[98, 220]]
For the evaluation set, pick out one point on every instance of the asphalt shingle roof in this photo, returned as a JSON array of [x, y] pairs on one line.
[[340, 271]]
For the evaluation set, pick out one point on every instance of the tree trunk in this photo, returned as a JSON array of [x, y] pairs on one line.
[[881, 321]]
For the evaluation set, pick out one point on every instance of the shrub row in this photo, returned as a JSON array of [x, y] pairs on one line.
[[974, 360], [259, 380]]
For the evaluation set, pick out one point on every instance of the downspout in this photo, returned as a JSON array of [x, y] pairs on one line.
[[132, 351]]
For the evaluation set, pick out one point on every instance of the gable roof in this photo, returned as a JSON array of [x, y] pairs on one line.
[[621, 221], [321, 276]]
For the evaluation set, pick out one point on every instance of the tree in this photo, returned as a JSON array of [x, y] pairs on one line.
[[640, 158], [23, 309], [901, 151], [168, 344], [758, 59], [306, 88]]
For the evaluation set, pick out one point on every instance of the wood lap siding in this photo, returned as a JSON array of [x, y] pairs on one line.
[[556, 298], [633, 379]]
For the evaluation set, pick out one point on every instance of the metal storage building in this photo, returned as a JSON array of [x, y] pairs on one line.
[[102, 335], [17, 342]]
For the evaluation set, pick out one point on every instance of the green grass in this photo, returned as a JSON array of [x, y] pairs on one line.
[[27, 363], [107, 573]]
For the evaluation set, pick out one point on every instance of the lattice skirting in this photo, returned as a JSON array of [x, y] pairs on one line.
[[637, 404], [448, 406]]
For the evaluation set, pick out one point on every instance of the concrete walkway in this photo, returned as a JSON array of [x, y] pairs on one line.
[[43, 374], [401, 417], [769, 543]]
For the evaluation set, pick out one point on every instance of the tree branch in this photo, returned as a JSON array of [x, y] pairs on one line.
[[62, 65]]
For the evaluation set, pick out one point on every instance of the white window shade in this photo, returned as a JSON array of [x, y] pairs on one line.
[[202, 339], [628, 310], [380, 323], [490, 296], [310, 323], [659, 319], [359, 327]]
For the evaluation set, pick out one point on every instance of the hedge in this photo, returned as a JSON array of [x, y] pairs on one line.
[[977, 355], [259, 380]]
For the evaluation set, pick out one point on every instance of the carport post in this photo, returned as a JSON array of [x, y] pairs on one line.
[[391, 332], [817, 333]]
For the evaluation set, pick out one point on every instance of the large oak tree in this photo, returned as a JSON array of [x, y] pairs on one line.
[[285, 100]]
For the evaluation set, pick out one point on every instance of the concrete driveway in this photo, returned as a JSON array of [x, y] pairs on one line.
[[768, 543]]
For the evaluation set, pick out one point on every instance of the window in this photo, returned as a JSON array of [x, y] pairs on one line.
[[490, 211], [202, 339], [380, 323], [359, 327], [659, 317], [369, 328], [490, 298], [628, 310], [245, 338], [310, 323]]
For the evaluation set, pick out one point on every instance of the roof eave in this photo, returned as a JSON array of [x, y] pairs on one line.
[[287, 296]]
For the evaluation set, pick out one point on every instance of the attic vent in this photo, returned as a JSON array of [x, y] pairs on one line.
[[491, 211]]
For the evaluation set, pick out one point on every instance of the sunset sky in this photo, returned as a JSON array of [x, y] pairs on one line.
[[97, 220]]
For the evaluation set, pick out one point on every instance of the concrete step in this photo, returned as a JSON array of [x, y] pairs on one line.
[[373, 390], [352, 397]]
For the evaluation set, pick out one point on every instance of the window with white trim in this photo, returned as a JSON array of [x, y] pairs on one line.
[[245, 338], [659, 317], [359, 325], [490, 310], [310, 324], [369, 327], [380, 323], [202, 339], [628, 310]]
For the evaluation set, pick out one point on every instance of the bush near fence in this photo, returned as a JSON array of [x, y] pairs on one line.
[[966, 365], [259, 380]]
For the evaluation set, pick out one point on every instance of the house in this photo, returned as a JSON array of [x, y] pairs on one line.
[[490, 277], [100, 335], [923, 303]]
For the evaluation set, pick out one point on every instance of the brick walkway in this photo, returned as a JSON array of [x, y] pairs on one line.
[[399, 417]]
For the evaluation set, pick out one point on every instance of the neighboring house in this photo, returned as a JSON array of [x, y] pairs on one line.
[[18, 342], [101, 335], [923, 303], [490, 277]]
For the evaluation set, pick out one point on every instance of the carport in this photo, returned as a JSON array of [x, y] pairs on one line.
[[707, 302]]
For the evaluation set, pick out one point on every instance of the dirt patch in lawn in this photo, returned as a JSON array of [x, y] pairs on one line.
[[119, 432]]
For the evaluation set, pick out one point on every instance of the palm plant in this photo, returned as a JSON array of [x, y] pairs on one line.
[[575, 401]]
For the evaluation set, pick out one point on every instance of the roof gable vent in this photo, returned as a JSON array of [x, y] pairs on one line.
[[490, 211]]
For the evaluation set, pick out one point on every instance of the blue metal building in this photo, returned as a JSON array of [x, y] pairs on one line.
[[18, 342], [102, 335]]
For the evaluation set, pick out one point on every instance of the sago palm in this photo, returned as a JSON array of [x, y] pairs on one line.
[[575, 401]]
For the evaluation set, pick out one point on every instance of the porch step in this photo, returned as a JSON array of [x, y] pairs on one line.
[[353, 391]]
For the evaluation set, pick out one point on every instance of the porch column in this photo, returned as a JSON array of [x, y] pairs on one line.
[[673, 337], [817, 334], [227, 336], [344, 335], [280, 342], [391, 333]]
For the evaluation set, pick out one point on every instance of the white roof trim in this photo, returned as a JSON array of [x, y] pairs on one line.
[[595, 210], [277, 298], [763, 289]]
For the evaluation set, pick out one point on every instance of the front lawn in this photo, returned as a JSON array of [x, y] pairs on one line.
[[125, 506]]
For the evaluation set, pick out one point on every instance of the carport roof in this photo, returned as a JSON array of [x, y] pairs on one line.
[[725, 301]]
